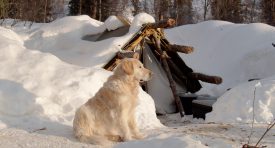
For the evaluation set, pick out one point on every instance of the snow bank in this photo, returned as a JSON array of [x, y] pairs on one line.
[[39, 89], [237, 53], [236, 105], [139, 20], [112, 23], [63, 38]]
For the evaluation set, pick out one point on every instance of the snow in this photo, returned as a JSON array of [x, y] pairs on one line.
[[171, 142], [237, 53], [139, 20], [48, 71], [38, 88], [237, 104], [112, 23]]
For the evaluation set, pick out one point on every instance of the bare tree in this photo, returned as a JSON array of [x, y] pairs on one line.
[[268, 11], [183, 11], [99, 10], [137, 6], [80, 7], [206, 8], [94, 9], [252, 12], [228, 10]]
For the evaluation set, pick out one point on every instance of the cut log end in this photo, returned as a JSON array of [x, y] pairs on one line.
[[181, 48], [162, 24], [171, 22], [205, 78]]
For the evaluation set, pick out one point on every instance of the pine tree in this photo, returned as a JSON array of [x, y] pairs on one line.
[[268, 11], [74, 7], [3, 9], [227, 10], [184, 13]]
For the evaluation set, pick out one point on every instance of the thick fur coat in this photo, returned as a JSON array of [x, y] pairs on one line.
[[110, 114]]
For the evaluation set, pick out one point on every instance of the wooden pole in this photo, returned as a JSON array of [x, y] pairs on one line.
[[162, 24], [173, 87], [206, 78], [181, 48], [122, 55]]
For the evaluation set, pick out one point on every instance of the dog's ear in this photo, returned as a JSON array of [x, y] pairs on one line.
[[128, 67]]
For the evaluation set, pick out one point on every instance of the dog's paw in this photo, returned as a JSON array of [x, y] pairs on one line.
[[115, 138], [139, 136], [127, 138]]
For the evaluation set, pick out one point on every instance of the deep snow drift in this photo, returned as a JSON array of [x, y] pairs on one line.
[[237, 53], [48, 71], [38, 90]]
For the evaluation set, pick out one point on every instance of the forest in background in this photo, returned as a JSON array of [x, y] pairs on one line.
[[183, 11]]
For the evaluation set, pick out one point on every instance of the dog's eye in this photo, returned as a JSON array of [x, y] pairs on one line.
[[140, 66]]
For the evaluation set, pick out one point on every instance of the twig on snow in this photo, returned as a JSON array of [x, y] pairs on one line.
[[253, 118], [270, 126]]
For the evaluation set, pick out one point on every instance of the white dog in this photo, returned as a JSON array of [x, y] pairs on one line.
[[110, 114]]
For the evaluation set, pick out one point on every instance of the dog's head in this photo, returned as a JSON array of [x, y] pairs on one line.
[[133, 68]]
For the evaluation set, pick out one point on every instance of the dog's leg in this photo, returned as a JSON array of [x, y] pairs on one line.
[[124, 128], [134, 129], [94, 139]]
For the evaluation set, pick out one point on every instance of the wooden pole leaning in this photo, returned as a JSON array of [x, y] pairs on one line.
[[172, 83]]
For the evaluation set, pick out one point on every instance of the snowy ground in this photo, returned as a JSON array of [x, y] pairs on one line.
[[48, 71], [186, 132]]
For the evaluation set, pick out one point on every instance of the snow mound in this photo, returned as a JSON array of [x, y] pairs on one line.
[[112, 23], [139, 20], [236, 52], [38, 89], [236, 105], [63, 38]]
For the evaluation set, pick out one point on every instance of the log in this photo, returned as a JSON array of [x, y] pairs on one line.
[[162, 24], [176, 70], [181, 48], [146, 30], [122, 55], [111, 64], [206, 78], [129, 46], [192, 85], [173, 87]]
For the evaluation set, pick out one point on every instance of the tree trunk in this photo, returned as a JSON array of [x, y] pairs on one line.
[[94, 9], [80, 7], [100, 10], [45, 10], [252, 11]]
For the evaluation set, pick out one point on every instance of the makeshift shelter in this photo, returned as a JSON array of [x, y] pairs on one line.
[[172, 77]]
